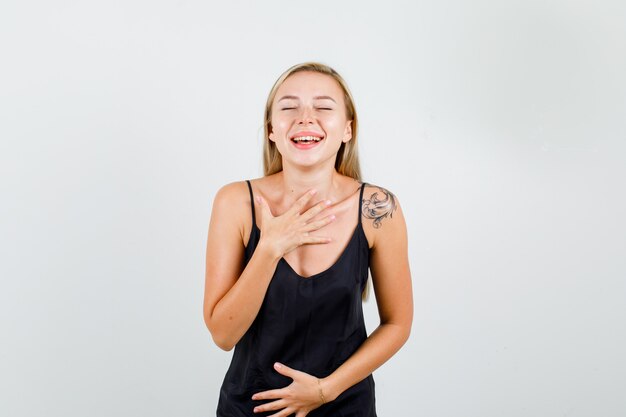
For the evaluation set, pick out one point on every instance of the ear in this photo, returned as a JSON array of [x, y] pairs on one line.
[[271, 135], [347, 134]]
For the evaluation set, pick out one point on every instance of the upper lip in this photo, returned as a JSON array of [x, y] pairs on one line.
[[306, 133]]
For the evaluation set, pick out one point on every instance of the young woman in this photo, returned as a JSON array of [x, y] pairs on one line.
[[287, 263]]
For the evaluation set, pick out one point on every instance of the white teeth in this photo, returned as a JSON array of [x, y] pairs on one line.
[[307, 139]]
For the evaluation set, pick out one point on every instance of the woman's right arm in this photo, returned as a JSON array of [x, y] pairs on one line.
[[232, 296]]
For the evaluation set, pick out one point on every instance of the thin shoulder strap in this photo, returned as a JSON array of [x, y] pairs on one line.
[[361, 201], [251, 203]]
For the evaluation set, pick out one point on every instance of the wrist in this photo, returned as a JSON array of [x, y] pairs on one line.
[[328, 390], [268, 251]]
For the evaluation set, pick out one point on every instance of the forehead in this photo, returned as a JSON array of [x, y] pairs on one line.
[[306, 84]]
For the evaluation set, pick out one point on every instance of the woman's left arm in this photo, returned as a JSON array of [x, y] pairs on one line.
[[389, 265]]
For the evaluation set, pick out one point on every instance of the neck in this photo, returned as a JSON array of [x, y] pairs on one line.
[[298, 180]]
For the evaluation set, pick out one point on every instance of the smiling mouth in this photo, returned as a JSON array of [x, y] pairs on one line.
[[306, 139]]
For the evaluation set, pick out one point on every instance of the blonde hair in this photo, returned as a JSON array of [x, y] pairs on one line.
[[347, 162]]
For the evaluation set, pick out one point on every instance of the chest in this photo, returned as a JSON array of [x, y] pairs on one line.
[[313, 260]]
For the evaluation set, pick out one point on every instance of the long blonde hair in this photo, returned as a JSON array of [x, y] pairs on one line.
[[347, 162]]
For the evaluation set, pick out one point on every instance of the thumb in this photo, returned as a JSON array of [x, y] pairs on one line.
[[264, 208]]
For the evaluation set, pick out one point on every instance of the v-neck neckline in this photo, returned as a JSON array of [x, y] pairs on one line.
[[282, 260]]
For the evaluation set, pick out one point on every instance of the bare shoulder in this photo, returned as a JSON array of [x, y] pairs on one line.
[[232, 192], [231, 205], [381, 214], [230, 197], [379, 205]]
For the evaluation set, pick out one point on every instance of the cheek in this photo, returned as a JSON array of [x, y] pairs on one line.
[[279, 124], [334, 124]]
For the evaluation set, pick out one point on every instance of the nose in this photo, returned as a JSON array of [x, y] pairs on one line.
[[305, 116]]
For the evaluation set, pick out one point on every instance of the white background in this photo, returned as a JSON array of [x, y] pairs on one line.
[[500, 126]]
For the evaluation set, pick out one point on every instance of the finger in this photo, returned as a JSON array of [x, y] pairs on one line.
[[269, 394], [301, 202], [313, 211], [309, 227], [274, 405], [285, 370], [284, 413], [315, 240]]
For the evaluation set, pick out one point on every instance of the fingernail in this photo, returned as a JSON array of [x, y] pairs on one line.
[[328, 202], [277, 365], [332, 217], [313, 191]]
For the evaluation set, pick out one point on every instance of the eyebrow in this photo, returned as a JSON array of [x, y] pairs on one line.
[[315, 98]]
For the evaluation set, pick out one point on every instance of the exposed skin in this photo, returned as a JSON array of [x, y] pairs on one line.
[[298, 223]]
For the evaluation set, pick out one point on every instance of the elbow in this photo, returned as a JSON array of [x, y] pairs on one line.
[[220, 338], [406, 330], [405, 325], [222, 344], [402, 332], [406, 333]]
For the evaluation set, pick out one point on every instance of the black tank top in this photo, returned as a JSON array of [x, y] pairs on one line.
[[311, 324]]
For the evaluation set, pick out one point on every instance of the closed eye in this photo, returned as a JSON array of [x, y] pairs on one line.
[[319, 108]]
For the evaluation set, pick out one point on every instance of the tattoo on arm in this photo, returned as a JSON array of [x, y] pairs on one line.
[[377, 209]]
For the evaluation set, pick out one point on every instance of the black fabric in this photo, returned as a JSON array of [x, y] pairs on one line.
[[312, 324]]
